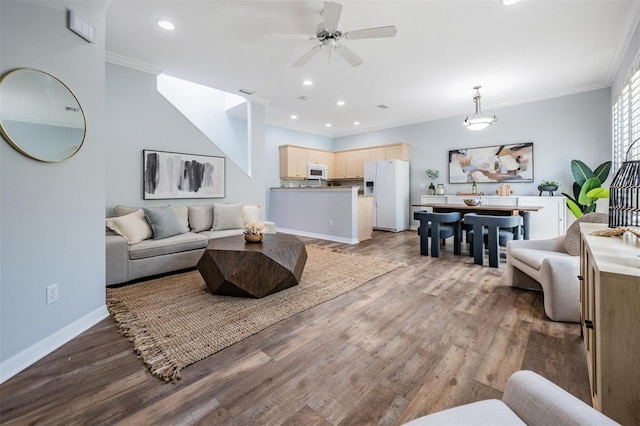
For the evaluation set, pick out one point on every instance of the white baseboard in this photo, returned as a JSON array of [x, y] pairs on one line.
[[24, 359], [320, 236]]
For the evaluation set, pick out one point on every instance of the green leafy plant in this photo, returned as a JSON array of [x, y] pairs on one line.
[[432, 174], [587, 188], [549, 183]]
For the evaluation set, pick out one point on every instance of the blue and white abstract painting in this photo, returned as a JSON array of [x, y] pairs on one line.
[[173, 175]]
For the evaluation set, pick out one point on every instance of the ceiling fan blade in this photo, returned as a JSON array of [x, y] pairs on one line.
[[331, 14], [307, 56], [377, 32], [291, 36], [348, 55]]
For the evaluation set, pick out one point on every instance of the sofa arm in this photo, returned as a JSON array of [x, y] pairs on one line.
[[551, 244], [117, 266], [537, 401]]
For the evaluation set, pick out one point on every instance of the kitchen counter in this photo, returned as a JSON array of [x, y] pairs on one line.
[[330, 213]]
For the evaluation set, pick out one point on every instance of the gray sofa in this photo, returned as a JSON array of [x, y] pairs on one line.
[[132, 252]]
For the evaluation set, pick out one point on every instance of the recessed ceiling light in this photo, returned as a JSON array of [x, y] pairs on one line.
[[166, 25], [327, 125], [509, 2], [307, 82], [340, 103], [357, 123], [294, 117]]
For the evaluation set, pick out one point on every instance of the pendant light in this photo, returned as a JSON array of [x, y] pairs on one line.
[[478, 121]]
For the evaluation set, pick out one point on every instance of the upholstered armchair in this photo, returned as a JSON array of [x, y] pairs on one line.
[[528, 399], [438, 226], [552, 266]]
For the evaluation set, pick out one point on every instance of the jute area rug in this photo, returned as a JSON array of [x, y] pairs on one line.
[[175, 321]]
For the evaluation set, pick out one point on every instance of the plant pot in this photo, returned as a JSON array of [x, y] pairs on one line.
[[547, 188], [251, 238]]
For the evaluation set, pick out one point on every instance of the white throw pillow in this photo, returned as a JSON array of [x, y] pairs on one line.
[[201, 217], [133, 226], [227, 216], [250, 213]]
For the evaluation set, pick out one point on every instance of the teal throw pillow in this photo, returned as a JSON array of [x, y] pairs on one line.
[[163, 222]]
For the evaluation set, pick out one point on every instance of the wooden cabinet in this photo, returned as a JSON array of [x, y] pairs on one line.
[[398, 151], [340, 165], [350, 164], [365, 218], [610, 309], [293, 162], [317, 156]]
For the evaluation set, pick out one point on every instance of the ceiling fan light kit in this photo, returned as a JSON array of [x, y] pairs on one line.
[[330, 35], [479, 121]]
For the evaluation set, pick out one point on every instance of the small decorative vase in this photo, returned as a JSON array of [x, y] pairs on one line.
[[251, 238], [440, 189], [432, 189]]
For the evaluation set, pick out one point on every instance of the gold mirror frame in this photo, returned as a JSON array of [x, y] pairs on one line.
[[40, 116]]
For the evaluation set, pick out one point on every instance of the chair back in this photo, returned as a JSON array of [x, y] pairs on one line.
[[437, 217], [488, 220]]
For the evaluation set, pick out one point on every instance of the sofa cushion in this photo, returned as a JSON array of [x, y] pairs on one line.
[[132, 226], [176, 244], [220, 234], [533, 257], [182, 214], [163, 221], [227, 216], [201, 217], [488, 412], [123, 210], [250, 213]]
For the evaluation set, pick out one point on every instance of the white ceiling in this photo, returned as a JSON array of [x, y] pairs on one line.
[[535, 49]]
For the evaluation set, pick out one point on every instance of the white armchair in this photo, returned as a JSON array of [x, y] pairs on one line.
[[551, 266], [528, 399]]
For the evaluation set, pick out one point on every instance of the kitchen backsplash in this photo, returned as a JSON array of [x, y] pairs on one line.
[[296, 183]]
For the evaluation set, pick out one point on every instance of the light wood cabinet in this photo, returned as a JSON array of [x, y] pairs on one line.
[[327, 158], [293, 162], [340, 165], [398, 151], [610, 309], [365, 218]]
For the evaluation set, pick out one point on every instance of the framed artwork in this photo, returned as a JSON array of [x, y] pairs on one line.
[[499, 163], [168, 175]]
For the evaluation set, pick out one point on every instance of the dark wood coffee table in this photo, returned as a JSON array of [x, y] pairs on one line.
[[232, 267]]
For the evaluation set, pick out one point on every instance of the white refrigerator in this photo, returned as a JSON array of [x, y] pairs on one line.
[[388, 182]]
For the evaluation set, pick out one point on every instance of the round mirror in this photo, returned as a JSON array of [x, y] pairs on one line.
[[40, 116]]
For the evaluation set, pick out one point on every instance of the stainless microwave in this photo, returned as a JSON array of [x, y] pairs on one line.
[[316, 171]]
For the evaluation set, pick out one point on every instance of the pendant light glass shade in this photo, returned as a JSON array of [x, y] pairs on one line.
[[479, 121]]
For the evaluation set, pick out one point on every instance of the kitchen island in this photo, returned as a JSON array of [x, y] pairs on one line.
[[329, 213]]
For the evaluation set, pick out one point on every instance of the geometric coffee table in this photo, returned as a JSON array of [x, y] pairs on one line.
[[232, 267]]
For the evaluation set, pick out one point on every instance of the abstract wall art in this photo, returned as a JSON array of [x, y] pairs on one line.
[[173, 175], [499, 163]]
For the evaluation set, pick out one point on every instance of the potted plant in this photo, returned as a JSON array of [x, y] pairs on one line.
[[548, 185], [433, 175], [587, 188], [254, 232]]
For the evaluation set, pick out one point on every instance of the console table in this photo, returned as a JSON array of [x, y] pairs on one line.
[[610, 310]]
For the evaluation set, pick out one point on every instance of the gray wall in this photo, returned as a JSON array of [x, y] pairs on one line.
[[562, 129], [141, 118], [52, 215]]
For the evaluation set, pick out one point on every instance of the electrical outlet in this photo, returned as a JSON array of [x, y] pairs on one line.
[[52, 293]]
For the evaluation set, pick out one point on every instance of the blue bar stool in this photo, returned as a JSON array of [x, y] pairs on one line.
[[437, 226], [489, 228]]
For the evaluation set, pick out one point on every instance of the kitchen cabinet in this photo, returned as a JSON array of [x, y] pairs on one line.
[[341, 164], [365, 218], [610, 311], [293, 162], [316, 156], [398, 151], [350, 164]]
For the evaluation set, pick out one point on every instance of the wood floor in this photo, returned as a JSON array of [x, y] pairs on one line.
[[428, 336]]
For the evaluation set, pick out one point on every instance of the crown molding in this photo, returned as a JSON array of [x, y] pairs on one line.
[[134, 64]]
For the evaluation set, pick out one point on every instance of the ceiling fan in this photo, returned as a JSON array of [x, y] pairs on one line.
[[330, 35]]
